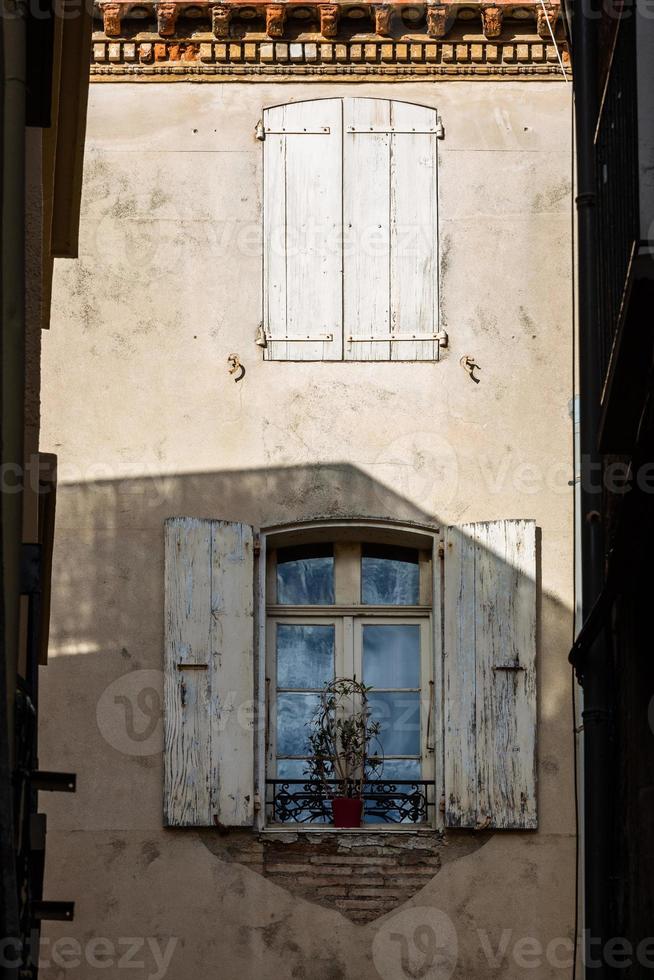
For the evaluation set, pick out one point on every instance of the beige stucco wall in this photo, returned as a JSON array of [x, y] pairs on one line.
[[148, 423]]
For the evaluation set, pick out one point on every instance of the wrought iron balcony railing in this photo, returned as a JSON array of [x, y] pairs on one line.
[[616, 156], [305, 801]]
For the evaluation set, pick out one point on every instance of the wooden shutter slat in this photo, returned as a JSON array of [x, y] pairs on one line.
[[274, 236], [208, 673], [414, 231], [232, 632], [189, 778], [490, 608], [303, 214], [366, 220], [460, 681]]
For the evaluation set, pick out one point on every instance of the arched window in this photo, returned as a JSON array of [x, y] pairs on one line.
[[352, 609], [257, 622], [351, 230]]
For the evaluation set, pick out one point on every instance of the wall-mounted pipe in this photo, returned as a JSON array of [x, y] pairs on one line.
[[596, 713]]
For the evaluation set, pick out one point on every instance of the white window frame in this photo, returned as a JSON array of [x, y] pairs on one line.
[[423, 537]]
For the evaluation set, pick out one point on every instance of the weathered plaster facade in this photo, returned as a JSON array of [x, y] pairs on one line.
[[148, 422]]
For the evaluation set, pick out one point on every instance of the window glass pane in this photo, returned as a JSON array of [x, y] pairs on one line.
[[305, 655], [305, 576], [389, 576], [398, 713], [391, 655], [292, 769], [401, 769], [294, 712]]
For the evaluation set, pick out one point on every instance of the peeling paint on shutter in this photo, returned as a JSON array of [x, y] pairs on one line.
[[302, 203], [490, 675], [351, 230], [391, 226], [208, 673], [366, 220]]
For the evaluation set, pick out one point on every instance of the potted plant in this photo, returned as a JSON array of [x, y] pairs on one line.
[[341, 737]]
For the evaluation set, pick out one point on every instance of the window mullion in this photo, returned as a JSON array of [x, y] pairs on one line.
[[348, 668], [347, 573]]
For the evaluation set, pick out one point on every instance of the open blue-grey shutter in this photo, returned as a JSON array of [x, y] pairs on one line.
[[490, 675], [208, 673]]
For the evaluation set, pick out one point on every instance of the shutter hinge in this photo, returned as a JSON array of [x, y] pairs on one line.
[[440, 129], [441, 549], [257, 802], [256, 547], [442, 338], [260, 339], [259, 131]]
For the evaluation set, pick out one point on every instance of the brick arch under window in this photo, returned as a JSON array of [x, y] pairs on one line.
[[351, 231]]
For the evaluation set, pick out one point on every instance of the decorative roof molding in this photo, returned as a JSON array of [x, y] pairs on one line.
[[202, 60], [398, 17], [262, 37]]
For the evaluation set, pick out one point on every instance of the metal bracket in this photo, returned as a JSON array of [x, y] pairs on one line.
[[54, 782], [181, 666], [414, 131], [319, 339], [509, 667], [306, 131], [387, 338], [53, 911]]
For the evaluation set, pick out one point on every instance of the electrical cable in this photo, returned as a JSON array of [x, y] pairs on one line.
[[575, 513], [556, 47]]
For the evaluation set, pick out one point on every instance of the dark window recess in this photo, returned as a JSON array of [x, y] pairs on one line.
[[40, 29]]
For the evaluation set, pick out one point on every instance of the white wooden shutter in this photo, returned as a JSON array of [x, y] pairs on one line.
[[390, 218], [208, 674], [302, 203], [490, 675]]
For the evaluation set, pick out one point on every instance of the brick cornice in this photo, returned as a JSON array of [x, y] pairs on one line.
[[237, 39], [283, 20]]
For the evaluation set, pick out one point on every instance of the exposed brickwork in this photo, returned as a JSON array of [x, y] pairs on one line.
[[360, 875], [236, 38], [380, 59], [362, 880]]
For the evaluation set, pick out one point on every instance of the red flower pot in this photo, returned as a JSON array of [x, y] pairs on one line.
[[347, 812]]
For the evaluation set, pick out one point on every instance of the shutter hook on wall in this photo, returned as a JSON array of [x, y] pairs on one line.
[[235, 366], [469, 365]]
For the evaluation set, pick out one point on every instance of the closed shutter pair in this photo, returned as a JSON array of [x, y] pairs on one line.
[[350, 230], [489, 674]]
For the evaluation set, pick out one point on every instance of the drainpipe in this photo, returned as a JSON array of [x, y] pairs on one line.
[[596, 716]]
